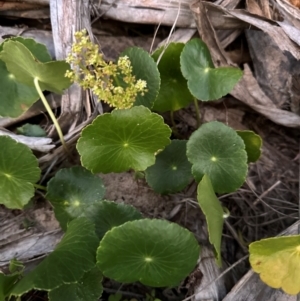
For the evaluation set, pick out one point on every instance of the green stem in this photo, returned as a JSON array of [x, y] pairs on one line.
[[41, 187], [174, 128], [198, 115], [116, 79], [49, 110]]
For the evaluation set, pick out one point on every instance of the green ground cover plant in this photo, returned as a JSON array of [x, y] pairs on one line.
[[102, 238]]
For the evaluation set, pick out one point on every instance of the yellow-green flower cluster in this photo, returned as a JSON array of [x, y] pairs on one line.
[[112, 83]]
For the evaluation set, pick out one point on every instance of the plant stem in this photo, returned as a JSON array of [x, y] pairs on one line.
[[174, 129], [49, 110], [198, 115], [41, 187]]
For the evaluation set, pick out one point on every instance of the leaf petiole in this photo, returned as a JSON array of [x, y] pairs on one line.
[[49, 110], [41, 187], [174, 128], [198, 115]]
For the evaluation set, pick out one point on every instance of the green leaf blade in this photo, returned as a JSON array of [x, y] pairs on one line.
[[172, 170], [72, 191], [39, 50], [31, 130], [18, 172], [213, 211], [7, 282], [107, 215], [276, 260], [174, 93], [204, 80], [216, 150], [25, 67], [72, 257], [123, 140], [17, 98], [144, 68], [89, 288], [253, 143], [155, 252]]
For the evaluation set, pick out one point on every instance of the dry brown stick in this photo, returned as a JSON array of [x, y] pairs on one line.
[[266, 192]]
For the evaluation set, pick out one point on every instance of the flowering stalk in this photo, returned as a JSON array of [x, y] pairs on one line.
[[113, 83]]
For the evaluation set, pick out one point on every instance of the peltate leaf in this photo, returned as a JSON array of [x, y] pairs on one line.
[[253, 143], [106, 215], [6, 284], [26, 67], [204, 80], [174, 93], [123, 139], [88, 288], [72, 257], [16, 97], [218, 151], [155, 252], [39, 50], [18, 172], [72, 191], [277, 261], [213, 212], [144, 67], [172, 170]]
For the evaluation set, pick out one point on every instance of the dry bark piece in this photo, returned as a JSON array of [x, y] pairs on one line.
[[142, 12], [6, 5], [248, 91], [273, 68], [268, 26], [28, 235], [206, 288], [40, 144], [295, 94], [289, 12]]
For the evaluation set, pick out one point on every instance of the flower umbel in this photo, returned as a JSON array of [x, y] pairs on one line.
[[113, 83]]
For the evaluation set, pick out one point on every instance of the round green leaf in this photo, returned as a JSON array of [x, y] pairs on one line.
[[18, 172], [16, 98], [107, 214], [89, 288], [155, 252], [277, 261], [7, 282], [144, 67], [253, 143], [25, 67], [218, 151], [171, 171], [72, 191], [213, 212], [174, 93], [72, 257], [39, 50], [123, 139], [204, 80]]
